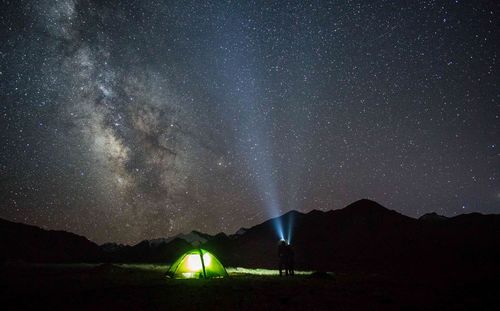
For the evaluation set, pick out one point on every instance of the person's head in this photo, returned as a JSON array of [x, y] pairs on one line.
[[282, 243]]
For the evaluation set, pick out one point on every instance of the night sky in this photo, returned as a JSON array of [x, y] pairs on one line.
[[130, 120]]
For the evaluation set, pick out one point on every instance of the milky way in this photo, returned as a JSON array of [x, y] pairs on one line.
[[127, 120]]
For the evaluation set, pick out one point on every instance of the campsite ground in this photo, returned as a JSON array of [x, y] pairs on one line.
[[138, 287]]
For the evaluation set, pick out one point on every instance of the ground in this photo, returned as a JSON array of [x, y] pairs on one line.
[[138, 287]]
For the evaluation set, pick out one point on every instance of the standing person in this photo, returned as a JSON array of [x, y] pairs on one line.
[[283, 254], [290, 260]]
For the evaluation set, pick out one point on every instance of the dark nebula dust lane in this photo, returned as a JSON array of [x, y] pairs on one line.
[[127, 120]]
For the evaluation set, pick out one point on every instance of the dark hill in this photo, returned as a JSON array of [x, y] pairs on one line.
[[433, 217], [147, 252], [20, 242], [361, 233], [368, 236]]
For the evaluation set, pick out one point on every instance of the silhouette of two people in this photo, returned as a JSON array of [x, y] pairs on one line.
[[286, 260]]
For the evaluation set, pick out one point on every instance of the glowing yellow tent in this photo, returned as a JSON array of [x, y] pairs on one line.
[[197, 264]]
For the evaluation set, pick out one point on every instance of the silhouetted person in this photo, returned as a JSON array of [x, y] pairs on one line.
[[290, 260], [283, 257]]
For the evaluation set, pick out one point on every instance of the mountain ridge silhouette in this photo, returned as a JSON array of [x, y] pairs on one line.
[[363, 235]]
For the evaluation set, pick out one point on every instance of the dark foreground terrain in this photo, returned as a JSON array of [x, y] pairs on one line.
[[139, 287]]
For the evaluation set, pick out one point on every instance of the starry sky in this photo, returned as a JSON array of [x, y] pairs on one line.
[[131, 120]]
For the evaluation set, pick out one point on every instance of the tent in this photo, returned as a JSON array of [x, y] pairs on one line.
[[197, 263]]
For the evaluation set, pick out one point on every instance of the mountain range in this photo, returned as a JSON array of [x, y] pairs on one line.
[[363, 235]]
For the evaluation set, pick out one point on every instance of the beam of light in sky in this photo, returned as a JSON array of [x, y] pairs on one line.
[[256, 148], [289, 228], [250, 117]]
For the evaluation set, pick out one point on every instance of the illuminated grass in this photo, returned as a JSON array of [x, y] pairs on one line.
[[230, 270], [143, 266], [270, 272], [161, 268]]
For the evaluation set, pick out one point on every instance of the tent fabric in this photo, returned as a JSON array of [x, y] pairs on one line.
[[197, 263]]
